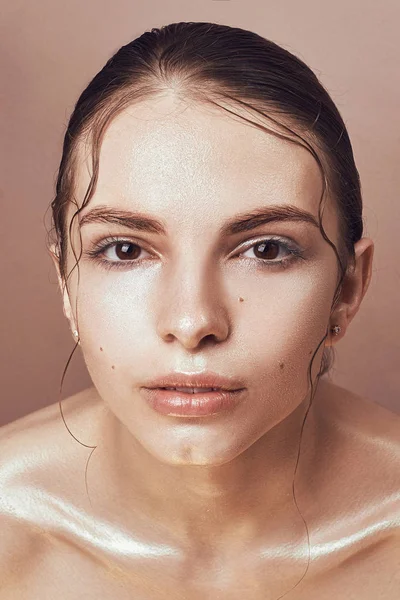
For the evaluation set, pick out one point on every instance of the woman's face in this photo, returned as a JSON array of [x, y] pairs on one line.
[[152, 303]]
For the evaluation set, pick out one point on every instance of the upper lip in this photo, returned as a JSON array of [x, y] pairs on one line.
[[206, 379]]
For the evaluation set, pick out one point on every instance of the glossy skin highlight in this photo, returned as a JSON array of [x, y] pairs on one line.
[[203, 508]]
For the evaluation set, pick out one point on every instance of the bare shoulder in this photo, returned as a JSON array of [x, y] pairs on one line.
[[367, 421], [38, 457], [48, 420], [361, 446], [40, 439], [368, 438]]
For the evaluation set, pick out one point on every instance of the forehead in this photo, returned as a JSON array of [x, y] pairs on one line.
[[165, 155]]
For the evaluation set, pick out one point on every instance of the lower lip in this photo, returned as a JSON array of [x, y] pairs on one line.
[[182, 404]]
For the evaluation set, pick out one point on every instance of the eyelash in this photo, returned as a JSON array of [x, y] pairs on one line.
[[294, 251]]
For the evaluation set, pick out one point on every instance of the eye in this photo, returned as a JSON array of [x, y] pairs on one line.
[[275, 252], [119, 253], [124, 250]]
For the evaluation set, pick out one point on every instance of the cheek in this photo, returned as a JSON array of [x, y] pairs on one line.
[[284, 323], [115, 327]]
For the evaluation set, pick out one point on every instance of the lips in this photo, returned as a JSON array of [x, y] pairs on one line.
[[199, 404], [195, 382], [190, 390]]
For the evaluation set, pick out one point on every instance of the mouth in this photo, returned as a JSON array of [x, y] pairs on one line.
[[193, 394], [192, 390], [193, 383], [192, 401]]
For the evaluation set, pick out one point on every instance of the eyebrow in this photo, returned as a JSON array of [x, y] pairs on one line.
[[237, 224]]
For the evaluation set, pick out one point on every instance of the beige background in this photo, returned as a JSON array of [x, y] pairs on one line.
[[50, 50]]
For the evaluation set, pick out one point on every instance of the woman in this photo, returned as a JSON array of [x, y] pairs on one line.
[[208, 222]]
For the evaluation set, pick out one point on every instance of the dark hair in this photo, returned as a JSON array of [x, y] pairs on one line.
[[212, 63]]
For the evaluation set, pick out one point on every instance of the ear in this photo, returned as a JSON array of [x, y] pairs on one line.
[[52, 250], [355, 285]]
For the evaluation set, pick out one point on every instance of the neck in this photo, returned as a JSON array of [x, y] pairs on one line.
[[248, 495]]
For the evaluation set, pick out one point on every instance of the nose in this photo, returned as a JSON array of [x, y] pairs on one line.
[[191, 308]]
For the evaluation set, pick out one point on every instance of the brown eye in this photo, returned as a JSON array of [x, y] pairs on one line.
[[126, 250], [274, 253], [268, 250], [114, 253]]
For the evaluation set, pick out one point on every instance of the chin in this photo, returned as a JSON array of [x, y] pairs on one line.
[[185, 448]]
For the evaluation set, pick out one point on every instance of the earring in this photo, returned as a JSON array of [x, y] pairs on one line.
[[336, 329], [75, 333]]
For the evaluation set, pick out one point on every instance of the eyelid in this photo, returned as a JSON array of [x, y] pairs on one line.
[[291, 244], [104, 243]]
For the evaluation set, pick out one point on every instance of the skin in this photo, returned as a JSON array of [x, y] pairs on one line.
[[203, 507]]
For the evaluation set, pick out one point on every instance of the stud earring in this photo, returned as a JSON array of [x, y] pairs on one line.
[[336, 329], [75, 333]]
